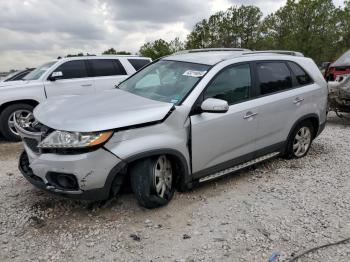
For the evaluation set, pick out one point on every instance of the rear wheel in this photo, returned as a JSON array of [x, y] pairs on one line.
[[24, 112], [300, 140], [152, 181]]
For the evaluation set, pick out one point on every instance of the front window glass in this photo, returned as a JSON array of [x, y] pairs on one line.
[[73, 69], [38, 72], [232, 85], [167, 81]]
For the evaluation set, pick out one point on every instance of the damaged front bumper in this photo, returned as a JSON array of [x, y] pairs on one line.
[[81, 176]]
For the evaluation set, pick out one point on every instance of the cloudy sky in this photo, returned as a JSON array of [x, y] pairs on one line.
[[33, 31]]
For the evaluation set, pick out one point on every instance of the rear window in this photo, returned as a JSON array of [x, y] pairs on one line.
[[274, 77], [302, 77], [106, 67], [138, 63]]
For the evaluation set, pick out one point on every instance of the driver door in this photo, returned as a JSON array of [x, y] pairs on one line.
[[219, 140], [73, 80]]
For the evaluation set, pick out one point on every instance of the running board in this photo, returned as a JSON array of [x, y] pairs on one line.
[[238, 167]]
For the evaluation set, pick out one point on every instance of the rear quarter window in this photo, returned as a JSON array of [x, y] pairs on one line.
[[139, 63], [300, 74]]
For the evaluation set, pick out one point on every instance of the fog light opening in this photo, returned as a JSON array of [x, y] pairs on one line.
[[67, 182], [63, 181]]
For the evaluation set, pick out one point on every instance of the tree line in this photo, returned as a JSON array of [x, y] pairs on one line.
[[317, 28]]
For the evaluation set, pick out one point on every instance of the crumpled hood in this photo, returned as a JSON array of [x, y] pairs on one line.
[[108, 110]]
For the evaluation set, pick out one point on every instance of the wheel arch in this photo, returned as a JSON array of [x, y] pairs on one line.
[[313, 118], [31, 102], [176, 157]]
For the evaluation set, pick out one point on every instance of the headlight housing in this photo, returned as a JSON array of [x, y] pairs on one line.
[[65, 139]]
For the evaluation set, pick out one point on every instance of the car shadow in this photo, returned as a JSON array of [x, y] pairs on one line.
[[333, 119]]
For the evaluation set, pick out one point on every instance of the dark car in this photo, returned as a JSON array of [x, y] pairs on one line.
[[18, 75], [340, 67]]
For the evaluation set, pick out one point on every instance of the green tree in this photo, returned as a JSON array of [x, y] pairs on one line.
[[236, 27], [308, 26], [112, 51], [156, 49], [74, 55], [343, 26], [176, 45]]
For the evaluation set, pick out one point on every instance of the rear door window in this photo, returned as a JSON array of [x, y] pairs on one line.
[[106, 67], [301, 76], [273, 77], [138, 63], [73, 69]]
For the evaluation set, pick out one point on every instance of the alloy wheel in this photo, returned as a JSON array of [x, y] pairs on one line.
[[163, 177], [302, 141], [24, 118]]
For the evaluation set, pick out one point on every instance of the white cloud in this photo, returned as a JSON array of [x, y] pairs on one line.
[[33, 32]]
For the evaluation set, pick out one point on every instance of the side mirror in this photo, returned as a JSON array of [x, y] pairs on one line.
[[56, 75], [213, 105]]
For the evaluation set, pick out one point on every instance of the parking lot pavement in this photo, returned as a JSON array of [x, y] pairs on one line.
[[279, 206]]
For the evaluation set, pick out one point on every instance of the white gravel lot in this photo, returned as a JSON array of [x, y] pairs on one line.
[[279, 206]]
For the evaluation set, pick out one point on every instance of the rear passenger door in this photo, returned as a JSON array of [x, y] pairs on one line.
[[107, 73], [74, 80], [284, 90]]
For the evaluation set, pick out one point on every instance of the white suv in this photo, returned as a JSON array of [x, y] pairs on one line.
[[184, 119], [66, 76]]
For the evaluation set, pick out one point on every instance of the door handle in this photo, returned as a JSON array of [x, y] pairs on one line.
[[249, 115], [86, 85], [298, 100]]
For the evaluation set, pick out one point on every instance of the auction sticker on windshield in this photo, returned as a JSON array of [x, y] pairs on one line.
[[194, 73]]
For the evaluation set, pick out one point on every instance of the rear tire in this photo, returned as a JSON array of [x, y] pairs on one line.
[[6, 123], [300, 140], [152, 181]]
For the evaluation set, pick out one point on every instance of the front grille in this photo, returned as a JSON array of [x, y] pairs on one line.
[[32, 144]]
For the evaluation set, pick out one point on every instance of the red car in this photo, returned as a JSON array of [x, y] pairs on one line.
[[340, 67]]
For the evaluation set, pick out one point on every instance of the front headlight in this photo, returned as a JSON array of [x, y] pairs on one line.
[[64, 139]]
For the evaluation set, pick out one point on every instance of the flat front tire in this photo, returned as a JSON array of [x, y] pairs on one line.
[[152, 181]]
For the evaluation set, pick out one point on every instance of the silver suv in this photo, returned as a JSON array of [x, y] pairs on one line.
[[182, 120]]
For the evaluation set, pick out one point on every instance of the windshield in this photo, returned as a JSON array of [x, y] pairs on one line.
[[344, 60], [166, 81], [38, 72]]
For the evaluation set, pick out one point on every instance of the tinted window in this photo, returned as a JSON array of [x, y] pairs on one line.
[[232, 84], [138, 63], [72, 69], [107, 67], [302, 77], [273, 77]]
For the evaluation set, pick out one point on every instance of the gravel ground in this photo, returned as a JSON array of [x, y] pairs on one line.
[[279, 206]]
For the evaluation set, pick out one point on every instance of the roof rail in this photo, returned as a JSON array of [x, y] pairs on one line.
[[280, 52], [212, 50]]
